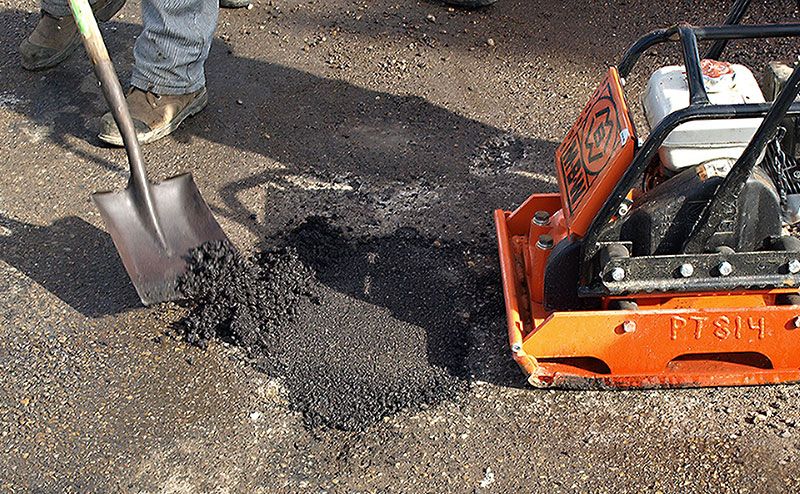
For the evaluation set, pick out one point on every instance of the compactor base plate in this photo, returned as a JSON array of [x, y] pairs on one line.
[[681, 340]]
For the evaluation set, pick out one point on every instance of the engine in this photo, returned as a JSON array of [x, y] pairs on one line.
[[695, 158]]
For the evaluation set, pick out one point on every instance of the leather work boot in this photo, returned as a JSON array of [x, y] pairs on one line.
[[154, 116], [55, 38]]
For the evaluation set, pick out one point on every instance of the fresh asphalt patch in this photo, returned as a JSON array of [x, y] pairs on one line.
[[356, 328]]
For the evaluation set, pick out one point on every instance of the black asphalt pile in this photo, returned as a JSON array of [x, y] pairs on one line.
[[246, 301], [356, 328], [355, 364], [423, 282]]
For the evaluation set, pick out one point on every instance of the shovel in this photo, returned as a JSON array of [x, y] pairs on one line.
[[153, 226]]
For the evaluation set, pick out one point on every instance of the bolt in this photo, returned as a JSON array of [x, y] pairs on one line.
[[545, 242], [516, 348], [541, 218], [725, 268], [796, 322], [794, 266], [623, 210], [617, 274], [629, 326], [686, 270]]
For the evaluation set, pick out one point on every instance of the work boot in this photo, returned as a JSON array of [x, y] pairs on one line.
[[55, 38], [154, 116]]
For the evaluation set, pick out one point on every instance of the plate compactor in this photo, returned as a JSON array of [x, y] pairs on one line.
[[669, 261]]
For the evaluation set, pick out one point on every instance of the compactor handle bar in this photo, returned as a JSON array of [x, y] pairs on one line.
[[703, 33], [699, 107]]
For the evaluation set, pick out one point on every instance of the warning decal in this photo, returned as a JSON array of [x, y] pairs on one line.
[[597, 144]]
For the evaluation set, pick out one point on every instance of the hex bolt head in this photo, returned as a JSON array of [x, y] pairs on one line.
[[545, 242], [794, 266], [686, 270], [617, 274], [629, 326], [725, 268], [541, 218]]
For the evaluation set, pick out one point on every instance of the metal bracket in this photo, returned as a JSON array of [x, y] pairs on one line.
[[691, 273]]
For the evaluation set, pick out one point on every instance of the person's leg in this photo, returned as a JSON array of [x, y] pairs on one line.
[[56, 8], [174, 45], [55, 36], [168, 78]]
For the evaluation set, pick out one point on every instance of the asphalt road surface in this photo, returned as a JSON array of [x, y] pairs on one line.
[[375, 138]]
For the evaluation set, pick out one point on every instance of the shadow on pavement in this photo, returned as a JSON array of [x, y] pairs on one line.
[[402, 165], [395, 168], [344, 142], [73, 260]]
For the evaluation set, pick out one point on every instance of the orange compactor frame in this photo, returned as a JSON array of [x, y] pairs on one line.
[[638, 276]]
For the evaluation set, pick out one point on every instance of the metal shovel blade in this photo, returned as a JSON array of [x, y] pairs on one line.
[[153, 226], [186, 223]]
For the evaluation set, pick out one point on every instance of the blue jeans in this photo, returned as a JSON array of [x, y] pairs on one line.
[[170, 54]]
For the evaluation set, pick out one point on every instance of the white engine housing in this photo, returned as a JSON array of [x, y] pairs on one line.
[[700, 141]]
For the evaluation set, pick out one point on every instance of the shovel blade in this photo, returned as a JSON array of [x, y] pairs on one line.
[[186, 221]]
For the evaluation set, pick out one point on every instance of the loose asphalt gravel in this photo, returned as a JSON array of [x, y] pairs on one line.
[[354, 152], [343, 365]]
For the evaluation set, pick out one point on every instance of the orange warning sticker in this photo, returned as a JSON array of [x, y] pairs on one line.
[[595, 154]]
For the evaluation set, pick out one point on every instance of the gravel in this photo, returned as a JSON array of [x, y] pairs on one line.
[[344, 366]]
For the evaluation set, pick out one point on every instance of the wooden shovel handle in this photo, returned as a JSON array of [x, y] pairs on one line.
[[109, 83], [104, 69]]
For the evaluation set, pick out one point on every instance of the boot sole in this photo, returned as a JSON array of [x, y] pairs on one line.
[[191, 109], [56, 59]]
